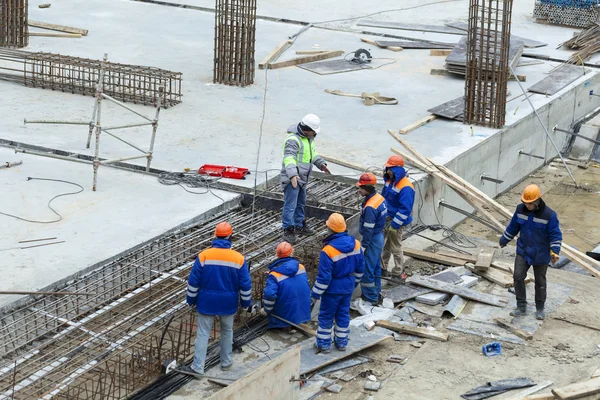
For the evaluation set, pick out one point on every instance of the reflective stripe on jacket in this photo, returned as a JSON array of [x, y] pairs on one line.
[[372, 217], [400, 198], [218, 279], [539, 233], [299, 155], [341, 265]]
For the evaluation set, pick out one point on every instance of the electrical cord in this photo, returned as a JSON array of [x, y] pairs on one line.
[[60, 217], [192, 180]]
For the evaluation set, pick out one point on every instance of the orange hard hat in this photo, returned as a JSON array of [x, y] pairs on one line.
[[531, 194], [395, 161], [367, 179], [284, 249], [336, 223], [224, 229]]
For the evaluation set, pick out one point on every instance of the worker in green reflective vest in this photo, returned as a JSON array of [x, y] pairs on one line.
[[299, 155]]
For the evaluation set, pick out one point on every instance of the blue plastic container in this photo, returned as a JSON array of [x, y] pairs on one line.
[[492, 349]]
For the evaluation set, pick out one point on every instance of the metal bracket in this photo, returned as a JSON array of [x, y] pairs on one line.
[[556, 128], [522, 153], [485, 177]]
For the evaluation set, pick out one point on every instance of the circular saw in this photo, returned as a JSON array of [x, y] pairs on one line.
[[362, 56]]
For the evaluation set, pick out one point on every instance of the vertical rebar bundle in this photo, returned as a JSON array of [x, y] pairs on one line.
[[13, 23], [488, 43], [235, 28]]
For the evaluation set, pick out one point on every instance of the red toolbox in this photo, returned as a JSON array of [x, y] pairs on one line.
[[223, 171]]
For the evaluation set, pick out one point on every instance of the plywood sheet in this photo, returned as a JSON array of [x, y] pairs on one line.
[[329, 67], [405, 44], [529, 43], [453, 109], [411, 27], [559, 79]]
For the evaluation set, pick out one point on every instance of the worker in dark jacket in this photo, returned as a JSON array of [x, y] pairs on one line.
[[539, 244], [299, 155], [399, 195], [218, 283], [341, 266], [287, 292], [372, 222]]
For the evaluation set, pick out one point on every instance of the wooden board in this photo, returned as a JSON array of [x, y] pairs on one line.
[[308, 52], [578, 390], [417, 124], [493, 275], [433, 257], [558, 79], [276, 52], [484, 259], [60, 35], [531, 390], [454, 289], [517, 331], [438, 52], [589, 326], [348, 164], [414, 330], [304, 60], [465, 257], [543, 396], [439, 72], [411, 27], [60, 28], [416, 44], [269, 381], [375, 43]]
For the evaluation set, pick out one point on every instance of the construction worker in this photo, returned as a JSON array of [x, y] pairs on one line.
[[299, 155], [287, 292], [341, 266], [399, 196], [372, 221], [539, 244], [219, 281]]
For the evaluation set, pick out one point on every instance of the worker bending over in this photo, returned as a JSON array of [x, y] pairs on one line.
[[219, 281], [539, 243], [341, 266], [299, 155], [372, 222], [399, 196], [287, 292]]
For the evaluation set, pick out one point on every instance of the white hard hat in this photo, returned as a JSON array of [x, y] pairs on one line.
[[312, 121]]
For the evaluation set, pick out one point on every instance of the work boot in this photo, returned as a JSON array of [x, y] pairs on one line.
[[340, 348], [226, 367], [305, 230], [321, 349], [398, 273], [188, 370], [539, 314], [289, 235], [519, 312], [385, 273]]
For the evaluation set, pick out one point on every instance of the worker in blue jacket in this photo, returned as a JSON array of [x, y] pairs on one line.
[[399, 194], [539, 244], [219, 282], [341, 266], [372, 221], [287, 292]]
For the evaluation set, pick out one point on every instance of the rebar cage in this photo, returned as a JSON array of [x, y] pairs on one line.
[[13, 23]]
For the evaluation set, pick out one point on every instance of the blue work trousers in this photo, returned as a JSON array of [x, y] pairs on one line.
[[370, 285], [205, 325], [293, 206], [334, 307]]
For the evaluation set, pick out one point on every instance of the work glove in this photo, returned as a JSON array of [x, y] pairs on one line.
[[363, 249], [252, 308], [325, 169], [554, 257], [191, 306], [294, 181], [263, 312]]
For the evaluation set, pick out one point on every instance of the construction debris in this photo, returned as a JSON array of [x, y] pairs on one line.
[[586, 42], [497, 387], [458, 290], [303, 60], [413, 330], [578, 390], [514, 329], [60, 28], [276, 52], [418, 124], [375, 43], [369, 98]]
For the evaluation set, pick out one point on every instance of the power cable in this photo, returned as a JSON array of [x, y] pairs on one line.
[[192, 180], [50, 201]]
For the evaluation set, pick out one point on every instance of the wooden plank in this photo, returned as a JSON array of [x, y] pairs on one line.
[[439, 52], [454, 289], [492, 275], [439, 71], [349, 164], [276, 52], [375, 43], [60, 35], [517, 331], [596, 373], [309, 52], [55, 27], [531, 390], [578, 390], [466, 258], [269, 381], [304, 60], [417, 124], [45, 5], [484, 259], [433, 257], [592, 327], [413, 330], [542, 396]]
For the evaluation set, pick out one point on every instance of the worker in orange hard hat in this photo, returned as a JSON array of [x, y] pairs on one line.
[[399, 194], [219, 282], [287, 291], [372, 221], [539, 243], [341, 266]]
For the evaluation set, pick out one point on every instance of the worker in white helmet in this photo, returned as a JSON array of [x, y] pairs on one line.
[[299, 155]]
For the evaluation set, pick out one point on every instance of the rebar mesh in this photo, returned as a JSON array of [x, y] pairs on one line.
[[13, 23], [488, 43], [235, 27]]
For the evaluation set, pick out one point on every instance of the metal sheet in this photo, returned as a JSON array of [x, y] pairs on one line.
[[411, 27], [402, 293], [415, 45], [455, 305], [486, 330], [558, 79], [458, 56], [452, 109], [328, 67], [529, 43], [345, 364]]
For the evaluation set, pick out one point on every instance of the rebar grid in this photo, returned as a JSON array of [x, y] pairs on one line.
[[110, 344], [487, 72], [13, 23], [235, 28], [128, 83]]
